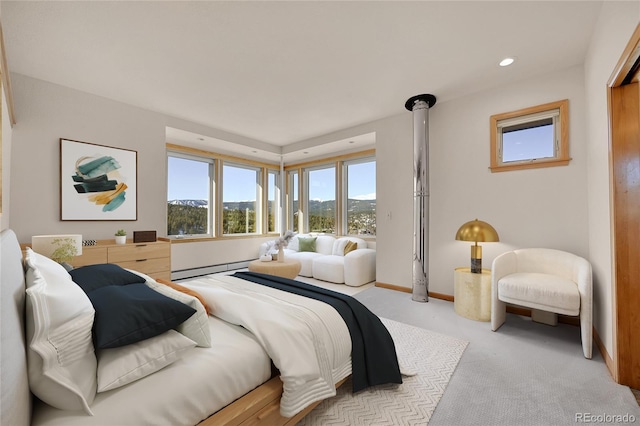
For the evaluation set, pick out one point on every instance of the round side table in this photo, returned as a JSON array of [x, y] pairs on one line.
[[472, 294], [290, 268]]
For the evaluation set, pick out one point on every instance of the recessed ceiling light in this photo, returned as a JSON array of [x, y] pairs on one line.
[[254, 151], [352, 141], [305, 152], [506, 62], [200, 139]]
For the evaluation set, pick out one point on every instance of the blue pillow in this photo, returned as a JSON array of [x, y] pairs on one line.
[[92, 277], [131, 313]]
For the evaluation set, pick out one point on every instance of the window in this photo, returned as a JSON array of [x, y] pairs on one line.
[[240, 199], [336, 195], [189, 195], [321, 199], [212, 195], [531, 138], [360, 212], [273, 202], [294, 202]]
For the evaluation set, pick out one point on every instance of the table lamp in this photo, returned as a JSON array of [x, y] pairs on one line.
[[61, 248], [477, 231]]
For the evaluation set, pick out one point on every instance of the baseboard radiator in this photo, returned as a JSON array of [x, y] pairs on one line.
[[184, 274]]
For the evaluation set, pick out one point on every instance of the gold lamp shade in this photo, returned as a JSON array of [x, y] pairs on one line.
[[477, 231]]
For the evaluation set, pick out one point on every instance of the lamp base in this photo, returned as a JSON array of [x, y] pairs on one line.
[[476, 266], [476, 259]]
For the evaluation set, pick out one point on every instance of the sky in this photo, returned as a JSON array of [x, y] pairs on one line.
[[188, 180], [536, 142]]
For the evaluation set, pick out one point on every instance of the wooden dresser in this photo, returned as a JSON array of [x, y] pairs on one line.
[[153, 259]]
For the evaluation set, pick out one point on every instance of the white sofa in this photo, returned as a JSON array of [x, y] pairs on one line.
[[329, 263]]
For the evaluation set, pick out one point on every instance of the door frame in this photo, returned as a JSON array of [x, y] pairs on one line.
[[623, 370]]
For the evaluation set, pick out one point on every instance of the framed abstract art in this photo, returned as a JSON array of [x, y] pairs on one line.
[[97, 182]]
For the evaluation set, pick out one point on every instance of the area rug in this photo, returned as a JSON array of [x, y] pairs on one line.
[[432, 356]]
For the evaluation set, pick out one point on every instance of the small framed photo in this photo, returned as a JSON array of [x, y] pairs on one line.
[[97, 182]]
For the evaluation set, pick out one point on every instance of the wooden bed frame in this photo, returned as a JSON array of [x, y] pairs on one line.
[[261, 407]]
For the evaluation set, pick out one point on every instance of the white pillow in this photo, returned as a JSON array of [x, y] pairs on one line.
[[120, 366], [61, 360], [340, 243], [196, 327], [294, 243]]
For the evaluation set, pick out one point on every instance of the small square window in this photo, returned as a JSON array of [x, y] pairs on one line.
[[530, 138]]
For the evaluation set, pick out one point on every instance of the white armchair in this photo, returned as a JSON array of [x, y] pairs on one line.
[[546, 280]]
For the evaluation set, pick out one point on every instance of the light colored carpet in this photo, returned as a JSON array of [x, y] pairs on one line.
[[523, 374], [431, 355]]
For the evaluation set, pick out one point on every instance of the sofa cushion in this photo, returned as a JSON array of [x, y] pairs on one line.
[[306, 259], [293, 244], [548, 292], [325, 243], [307, 244], [341, 243], [329, 268]]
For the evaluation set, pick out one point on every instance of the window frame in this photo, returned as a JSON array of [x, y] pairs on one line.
[[344, 228], [532, 114], [294, 194], [216, 193], [268, 171], [211, 215], [300, 170], [259, 172], [336, 195]]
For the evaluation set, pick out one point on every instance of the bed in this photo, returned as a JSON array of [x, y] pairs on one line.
[[251, 373]]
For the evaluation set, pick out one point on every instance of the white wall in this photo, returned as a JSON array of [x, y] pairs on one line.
[[6, 165], [615, 26], [529, 208], [47, 112]]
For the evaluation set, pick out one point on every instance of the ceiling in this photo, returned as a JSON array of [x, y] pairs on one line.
[[280, 73]]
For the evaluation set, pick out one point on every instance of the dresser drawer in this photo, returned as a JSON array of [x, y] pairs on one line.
[[130, 252], [90, 256], [147, 266]]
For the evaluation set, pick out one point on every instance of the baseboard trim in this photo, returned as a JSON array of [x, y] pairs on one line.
[[393, 287], [408, 290], [184, 274], [605, 355], [441, 296]]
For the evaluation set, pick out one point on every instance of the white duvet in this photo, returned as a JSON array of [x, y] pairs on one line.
[[306, 339]]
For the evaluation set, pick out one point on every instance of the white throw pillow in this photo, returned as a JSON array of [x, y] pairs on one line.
[[61, 360], [294, 243], [120, 366], [340, 243], [196, 327]]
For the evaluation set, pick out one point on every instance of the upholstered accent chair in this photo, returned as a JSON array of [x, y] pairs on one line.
[[546, 280]]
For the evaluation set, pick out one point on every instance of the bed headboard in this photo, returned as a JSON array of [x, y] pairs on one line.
[[15, 397]]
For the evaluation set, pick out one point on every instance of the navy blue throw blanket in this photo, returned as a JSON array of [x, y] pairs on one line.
[[373, 354]]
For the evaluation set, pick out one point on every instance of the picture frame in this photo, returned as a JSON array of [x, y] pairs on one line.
[[97, 182]]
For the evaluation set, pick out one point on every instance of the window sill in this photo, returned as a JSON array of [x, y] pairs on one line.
[[175, 240], [530, 165]]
